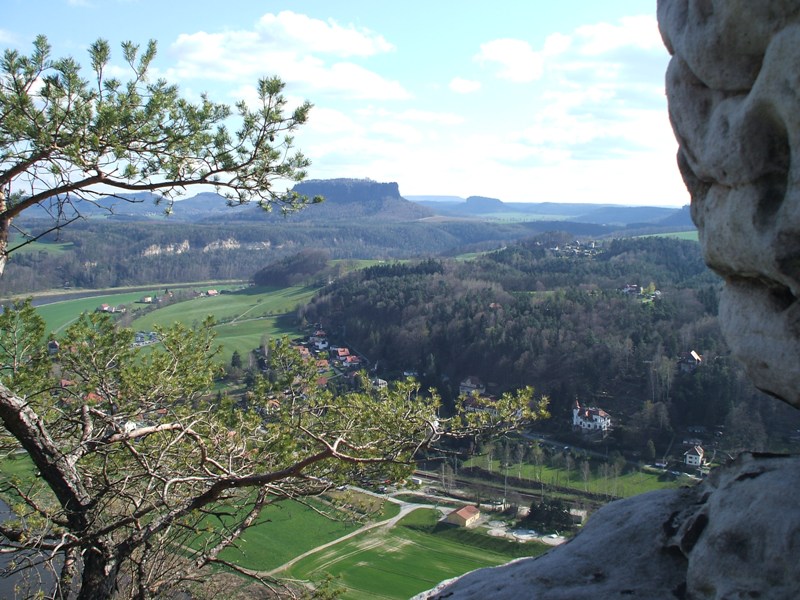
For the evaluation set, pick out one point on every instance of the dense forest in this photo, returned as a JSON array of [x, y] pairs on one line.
[[606, 323], [101, 253]]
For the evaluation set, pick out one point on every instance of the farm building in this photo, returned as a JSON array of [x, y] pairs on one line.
[[466, 516]]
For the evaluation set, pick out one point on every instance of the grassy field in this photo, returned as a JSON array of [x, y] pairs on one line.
[[681, 235], [410, 558], [285, 530], [243, 316], [54, 248], [59, 315], [289, 528], [625, 485]]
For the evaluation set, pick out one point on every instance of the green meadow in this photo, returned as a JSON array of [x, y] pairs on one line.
[[289, 528], [59, 315], [243, 316], [628, 484], [409, 558], [54, 248], [680, 235]]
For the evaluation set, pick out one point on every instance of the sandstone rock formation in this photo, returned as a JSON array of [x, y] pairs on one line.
[[734, 536], [733, 87]]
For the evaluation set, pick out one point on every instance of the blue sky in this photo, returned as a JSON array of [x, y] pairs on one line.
[[522, 100]]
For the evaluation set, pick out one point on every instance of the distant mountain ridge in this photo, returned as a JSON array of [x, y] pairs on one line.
[[355, 199], [599, 214], [358, 198]]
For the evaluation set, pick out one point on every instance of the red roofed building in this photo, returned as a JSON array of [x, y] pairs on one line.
[[466, 516], [590, 419]]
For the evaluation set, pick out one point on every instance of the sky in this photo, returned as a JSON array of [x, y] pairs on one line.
[[521, 100]]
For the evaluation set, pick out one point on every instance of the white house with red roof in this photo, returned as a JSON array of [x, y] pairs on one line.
[[695, 456], [590, 419]]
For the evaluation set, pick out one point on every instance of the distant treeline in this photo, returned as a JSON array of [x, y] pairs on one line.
[[106, 253]]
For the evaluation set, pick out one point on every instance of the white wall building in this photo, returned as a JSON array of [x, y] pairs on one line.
[[590, 419]]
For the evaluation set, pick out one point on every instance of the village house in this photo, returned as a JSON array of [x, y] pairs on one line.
[[471, 385], [689, 361], [480, 404], [352, 361], [466, 516], [319, 343], [590, 419], [695, 456]]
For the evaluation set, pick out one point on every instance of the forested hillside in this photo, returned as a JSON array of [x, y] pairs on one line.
[[605, 323], [100, 253]]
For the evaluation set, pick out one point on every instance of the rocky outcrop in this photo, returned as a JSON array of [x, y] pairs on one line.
[[734, 536], [733, 87], [168, 249]]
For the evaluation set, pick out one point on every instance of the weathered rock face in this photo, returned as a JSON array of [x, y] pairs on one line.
[[734, 536], [733, 87]]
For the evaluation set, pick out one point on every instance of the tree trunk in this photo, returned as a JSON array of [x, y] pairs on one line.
[[99, 576], [5, 227]]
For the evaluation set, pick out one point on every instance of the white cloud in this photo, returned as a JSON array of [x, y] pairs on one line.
[[401, 132], [330, 121], [638, 32], [315, 35], [515, 59], [430, 117], [293, 46], [464, 86]]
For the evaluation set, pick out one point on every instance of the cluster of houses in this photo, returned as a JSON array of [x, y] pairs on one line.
[[168, 295], [476, 399], [318, 348], [144, 338], [576, 248], [107, 308], [637, 291]]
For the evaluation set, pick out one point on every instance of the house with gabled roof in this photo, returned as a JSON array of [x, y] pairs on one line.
[[590, 418], [466, 516], [471, 385], [694, 456]]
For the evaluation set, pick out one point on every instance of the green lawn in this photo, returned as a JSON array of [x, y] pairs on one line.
[[59, 315], [625, 485], [681, 235], [243, 316], [54, 248], [285, 530], [410, 558]]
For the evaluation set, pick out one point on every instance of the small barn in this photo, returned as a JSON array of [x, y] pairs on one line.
[[466, 516]]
